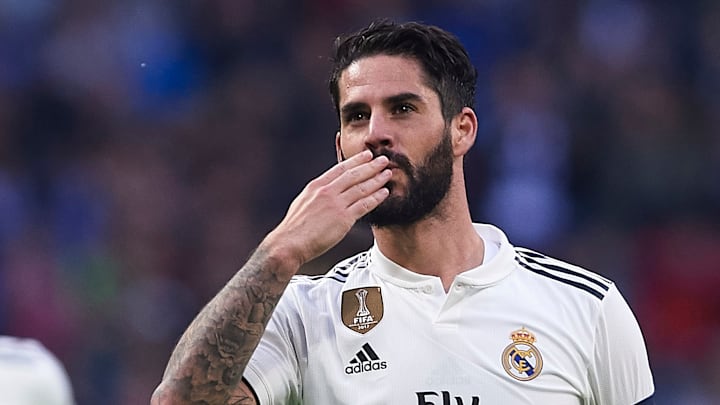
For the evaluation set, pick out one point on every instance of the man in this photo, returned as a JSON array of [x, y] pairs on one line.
[[31, 375], [440, 310]]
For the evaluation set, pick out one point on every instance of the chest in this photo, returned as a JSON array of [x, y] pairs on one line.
[[502, 344]]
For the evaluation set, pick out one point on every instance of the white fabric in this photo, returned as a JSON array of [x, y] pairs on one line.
[[31, 375], [448, 348]]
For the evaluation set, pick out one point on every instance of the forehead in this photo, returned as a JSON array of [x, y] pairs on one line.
[[382, 76]]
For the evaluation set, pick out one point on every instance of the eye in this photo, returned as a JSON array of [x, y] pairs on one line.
[[404, 108], [356, 116]]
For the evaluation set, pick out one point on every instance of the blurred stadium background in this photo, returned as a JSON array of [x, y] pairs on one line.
[[147, 146]]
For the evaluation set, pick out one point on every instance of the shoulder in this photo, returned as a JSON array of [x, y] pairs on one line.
[[337, 276], [312, 295], [563, 274]]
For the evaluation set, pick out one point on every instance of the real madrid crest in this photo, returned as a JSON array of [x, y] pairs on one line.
[[362, 308], [521, 359]]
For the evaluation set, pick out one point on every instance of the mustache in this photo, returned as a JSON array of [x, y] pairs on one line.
[[398, 159]]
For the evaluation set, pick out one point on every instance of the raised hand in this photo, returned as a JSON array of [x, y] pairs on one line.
[[208, 362], [325, 211]]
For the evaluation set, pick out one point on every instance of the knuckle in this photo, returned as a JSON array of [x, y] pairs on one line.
[[362, 188], [366, 206], [323, 191], [353, 173], [313, 184]]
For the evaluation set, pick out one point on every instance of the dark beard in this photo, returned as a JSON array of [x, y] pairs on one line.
[[427, 185]]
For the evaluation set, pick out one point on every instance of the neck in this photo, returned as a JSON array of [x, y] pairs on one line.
[[444, 244]]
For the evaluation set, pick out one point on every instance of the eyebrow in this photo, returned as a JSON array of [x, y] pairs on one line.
[[392, 100], [402, 97], [350, 108]]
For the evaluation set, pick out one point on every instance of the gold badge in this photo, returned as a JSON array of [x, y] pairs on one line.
[[362, 308], [521, 359]]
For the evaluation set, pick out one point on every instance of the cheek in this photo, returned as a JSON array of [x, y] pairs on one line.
[[349, 145], [426, 143]]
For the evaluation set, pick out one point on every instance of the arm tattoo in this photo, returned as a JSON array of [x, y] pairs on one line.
[[208, 362]]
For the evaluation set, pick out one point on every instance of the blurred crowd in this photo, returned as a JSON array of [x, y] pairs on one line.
[[147, 146]]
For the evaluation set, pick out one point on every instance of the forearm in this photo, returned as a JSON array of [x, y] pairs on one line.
[[208, 362]]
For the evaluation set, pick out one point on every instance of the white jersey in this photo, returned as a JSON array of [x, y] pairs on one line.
[[31, 375], [522, 328]]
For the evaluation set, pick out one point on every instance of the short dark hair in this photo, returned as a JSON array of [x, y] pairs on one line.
[[443, 58]]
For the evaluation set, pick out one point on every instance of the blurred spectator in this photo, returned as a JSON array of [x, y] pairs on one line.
[[677, 301], [527, 195]]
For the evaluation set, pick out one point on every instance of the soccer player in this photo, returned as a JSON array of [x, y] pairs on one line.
[[440, 310], [31, 375]]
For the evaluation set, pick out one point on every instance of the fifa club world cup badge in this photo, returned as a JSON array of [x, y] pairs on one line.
[[521, 359], [362, 308]]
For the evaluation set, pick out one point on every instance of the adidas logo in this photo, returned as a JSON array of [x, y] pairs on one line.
[[365, 360]]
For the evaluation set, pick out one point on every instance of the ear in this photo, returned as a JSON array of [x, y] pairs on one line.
[[338, 148], [464, 131]]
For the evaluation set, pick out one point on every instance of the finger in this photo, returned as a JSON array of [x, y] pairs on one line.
[[367, 187], [369, 203], [343, 167], [359, 174]]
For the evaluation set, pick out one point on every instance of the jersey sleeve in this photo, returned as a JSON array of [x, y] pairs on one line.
[[273, 371], [620, 371]]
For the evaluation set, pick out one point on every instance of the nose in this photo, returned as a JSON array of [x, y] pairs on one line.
[[379, 133]]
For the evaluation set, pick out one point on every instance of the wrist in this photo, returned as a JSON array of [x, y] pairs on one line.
[[281, 255]]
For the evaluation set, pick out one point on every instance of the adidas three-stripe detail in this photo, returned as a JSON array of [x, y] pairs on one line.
[[563, 272]]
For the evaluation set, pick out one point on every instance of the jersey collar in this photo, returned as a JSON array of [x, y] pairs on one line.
[[491, 271]]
